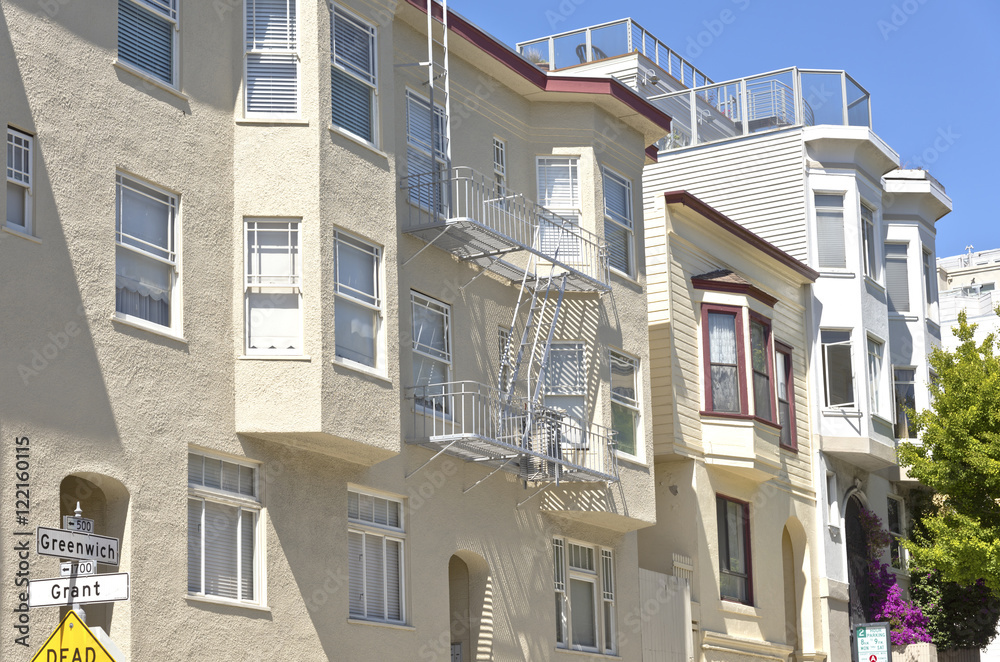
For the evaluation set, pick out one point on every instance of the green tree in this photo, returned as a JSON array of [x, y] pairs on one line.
[[959, 458]]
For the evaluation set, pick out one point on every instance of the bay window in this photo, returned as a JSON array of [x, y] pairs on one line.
[[725, 384], [786, 395], [353, 79], [838, 373], [897, 282], [618, 221], [762, 364], [273, 287], [830, 230], [271, 58], [357, 310], [904, 380], [19, 180], [559, 192]]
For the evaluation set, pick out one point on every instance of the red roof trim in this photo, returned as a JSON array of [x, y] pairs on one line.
[[539, 78], [653, 153], [726, 223]]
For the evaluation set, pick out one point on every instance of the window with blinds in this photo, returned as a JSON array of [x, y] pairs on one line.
[[223, 518], [146, 259], [830, 231], [375, 542], [272, 58], [559, 192], [423, 164], [353, 77], [618, 221], [897, 283], [868, 240], [147, 37], [273, 287], [624, 401], [19, 180], [431, 344]]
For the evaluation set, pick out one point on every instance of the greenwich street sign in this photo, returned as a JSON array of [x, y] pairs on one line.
[[80, 546]]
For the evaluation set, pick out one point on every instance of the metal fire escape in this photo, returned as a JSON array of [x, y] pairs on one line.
[[507, 427]]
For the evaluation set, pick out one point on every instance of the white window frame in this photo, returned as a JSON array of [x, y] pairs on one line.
[[343, 291], [897, 405], [830, 211], [289, 50], [21, 177], [602, 577], [623, 222], [869, 257], [826, 373], [168, 10], [875, 352], [443, 309], [254, 283], [500, 171], [569, 208], [418, 151], [896, 258], [896, 537], [245, 503], [930, 278], [370, 80], [172, 250], [624, 401], [386, 532]]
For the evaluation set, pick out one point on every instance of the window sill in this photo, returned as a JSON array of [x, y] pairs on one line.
[[22, 235], [595, 654], [733, 607], [381, 624], [842, 413], [275, 357], [883, 420], [904, 317], [741, 417], [836, 274], [631, 459], [228, 603], [624, 276], [363, 369], [265, 121], [355, 139], [155, 82], [874, 283], [124, 320], [933, 324], [790, 449]]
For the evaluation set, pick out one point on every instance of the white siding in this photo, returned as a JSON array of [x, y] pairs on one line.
[[666, 630], [758, 183]]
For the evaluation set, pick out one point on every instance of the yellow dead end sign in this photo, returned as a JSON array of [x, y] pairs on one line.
[[72, 641]]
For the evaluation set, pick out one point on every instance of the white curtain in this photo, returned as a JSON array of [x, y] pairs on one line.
[[275, 321], [723, 357]]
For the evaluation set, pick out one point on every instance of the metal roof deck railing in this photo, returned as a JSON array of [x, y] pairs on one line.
[[765, 102], [609, 40]]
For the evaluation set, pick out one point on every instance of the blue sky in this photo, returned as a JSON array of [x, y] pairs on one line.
[[932, 68]]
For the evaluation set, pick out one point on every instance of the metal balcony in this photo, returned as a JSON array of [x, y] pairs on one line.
[[464, 213], [473, 422]]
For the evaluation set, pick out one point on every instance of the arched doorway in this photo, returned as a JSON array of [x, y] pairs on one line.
[[104, 500], [459, 615], [859, 586], [792, 589], [470, 607]]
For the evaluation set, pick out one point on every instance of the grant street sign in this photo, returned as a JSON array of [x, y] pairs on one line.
[[73, 545], [72, 640], [67, 591]]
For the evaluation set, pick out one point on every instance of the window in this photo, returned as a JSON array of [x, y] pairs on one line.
[[585, 597], [875, 374], [500, 171], [618, 221], [559, 192], [762, 363], [273, 287], [625, 401], [725, 385], [894, 522], [223, 521], [375, 540], [830, 231], [734, 550], [431, 351], [19, 180], [838, 374], [833, 499], [421, 167], [146, 264], [272, 58], [147, 32], [357, 311], [929, 279], [868, 237], [896, 282], [353, 79], [786, 395], [905, 390], [566, 389]]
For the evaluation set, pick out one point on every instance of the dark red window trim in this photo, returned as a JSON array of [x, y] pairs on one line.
[[741, 360], [760, 319], [748, 556], [782, 348]]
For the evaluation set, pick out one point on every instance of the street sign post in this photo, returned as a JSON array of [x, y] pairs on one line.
[[80, 546], [72, 640], [871, 642], [77, 590]]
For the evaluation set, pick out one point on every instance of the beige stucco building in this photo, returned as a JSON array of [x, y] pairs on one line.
[[261, 343]]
